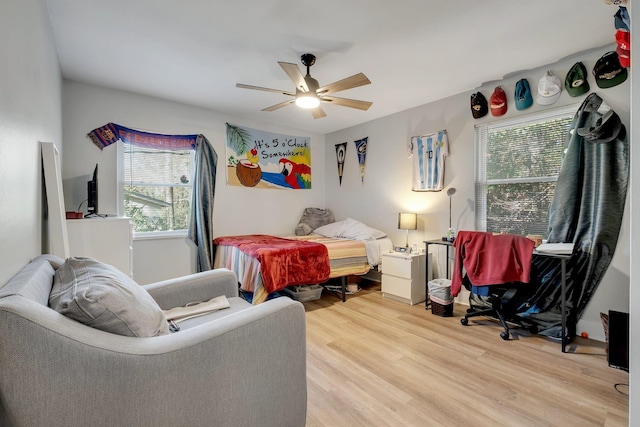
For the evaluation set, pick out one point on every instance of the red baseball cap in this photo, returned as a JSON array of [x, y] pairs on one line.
[[498, 102], [623, 39], [624, 56]]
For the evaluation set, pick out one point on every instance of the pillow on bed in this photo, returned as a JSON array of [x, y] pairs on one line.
[[353, 229], [330, 230], [103, 297]]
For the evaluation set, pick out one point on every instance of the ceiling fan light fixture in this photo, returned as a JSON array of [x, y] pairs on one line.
[[308, 92], [307, 100]]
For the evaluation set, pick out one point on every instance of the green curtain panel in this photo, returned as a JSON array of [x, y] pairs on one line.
[[586, 210]]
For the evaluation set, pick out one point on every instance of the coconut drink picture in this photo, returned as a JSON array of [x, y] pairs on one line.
[[248, 170]]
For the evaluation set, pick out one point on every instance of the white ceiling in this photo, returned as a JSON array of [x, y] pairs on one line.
[[413, 51]]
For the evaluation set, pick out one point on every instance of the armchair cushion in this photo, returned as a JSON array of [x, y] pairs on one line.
[[103, 297]]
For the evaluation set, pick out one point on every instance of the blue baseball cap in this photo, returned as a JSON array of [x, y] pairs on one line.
[[522, 95], [621, 19]]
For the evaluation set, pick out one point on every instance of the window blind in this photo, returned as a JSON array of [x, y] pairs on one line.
[[517, 164]]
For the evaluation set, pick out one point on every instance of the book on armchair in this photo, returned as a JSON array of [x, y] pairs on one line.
[[178, 314]]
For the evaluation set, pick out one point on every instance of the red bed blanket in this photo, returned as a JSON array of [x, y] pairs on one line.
[[283, 262]]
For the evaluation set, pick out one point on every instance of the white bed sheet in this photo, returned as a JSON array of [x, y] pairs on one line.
[[375, 249]]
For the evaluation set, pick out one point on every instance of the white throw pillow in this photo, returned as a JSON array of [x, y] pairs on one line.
[[103, 297], [330, 230], [354, 229]]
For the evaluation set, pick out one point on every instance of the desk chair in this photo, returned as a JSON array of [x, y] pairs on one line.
[[498, 301], [495, 266]]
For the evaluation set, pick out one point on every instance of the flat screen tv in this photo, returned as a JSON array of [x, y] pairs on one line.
[[92, 194], [618, 355]]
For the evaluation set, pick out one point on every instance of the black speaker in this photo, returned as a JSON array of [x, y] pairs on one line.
[[619, 340]]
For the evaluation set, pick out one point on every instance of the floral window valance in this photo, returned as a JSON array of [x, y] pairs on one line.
[[111, 132]]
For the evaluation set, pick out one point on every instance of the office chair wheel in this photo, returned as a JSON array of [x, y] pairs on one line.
[[464, 321], [504, 335]]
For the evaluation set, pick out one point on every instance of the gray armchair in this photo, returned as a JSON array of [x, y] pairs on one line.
[[241, 366]]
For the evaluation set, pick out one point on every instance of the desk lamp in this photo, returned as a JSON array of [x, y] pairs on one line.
[[451, 232], [407, 221]]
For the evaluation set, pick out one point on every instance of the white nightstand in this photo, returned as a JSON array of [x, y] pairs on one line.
[[403, 276]]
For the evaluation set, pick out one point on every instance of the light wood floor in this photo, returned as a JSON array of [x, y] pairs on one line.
[[376, 362]]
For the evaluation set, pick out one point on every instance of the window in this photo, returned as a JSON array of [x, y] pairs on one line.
[[517, 166], [156, 191]]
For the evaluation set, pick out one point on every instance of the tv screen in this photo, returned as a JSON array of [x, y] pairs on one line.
[[618, 356], [92, 194]]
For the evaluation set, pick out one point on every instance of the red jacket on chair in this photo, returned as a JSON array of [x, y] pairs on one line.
[[491, 259]]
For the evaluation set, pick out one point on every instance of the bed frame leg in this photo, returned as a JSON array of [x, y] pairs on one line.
[[344, 288]]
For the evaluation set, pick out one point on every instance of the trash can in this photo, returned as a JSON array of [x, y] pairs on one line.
[[440, 297]]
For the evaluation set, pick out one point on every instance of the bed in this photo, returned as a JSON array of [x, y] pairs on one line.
[[265, 264]]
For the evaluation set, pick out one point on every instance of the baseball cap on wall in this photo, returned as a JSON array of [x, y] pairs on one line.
[[608, 71], [576, 81], [479, 107], [549, 89], [624, 56], [621, 19], [522, 95], [498, 102], [623, 39]]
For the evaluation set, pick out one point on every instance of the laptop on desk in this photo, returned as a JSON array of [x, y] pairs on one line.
[[556, 248]]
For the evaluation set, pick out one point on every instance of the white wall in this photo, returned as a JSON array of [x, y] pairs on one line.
[[387, 185], [237, 210], [30, 112]]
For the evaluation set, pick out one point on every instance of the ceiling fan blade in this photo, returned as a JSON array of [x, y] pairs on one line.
[[344, 84], [280, 105], [295, 75], [283, 92], [318, 113], [344, 102]]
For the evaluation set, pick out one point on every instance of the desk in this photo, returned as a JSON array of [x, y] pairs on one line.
[[446, 243], [563, 296]]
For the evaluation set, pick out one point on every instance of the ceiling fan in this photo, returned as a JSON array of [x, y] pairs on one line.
[[309, 94]]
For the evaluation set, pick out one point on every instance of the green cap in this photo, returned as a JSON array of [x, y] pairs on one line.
[[576, 81]]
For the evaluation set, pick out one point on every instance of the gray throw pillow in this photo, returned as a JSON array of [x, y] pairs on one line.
[[313, 218], [103, 297]]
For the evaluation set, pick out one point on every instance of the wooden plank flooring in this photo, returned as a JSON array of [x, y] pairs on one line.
[[373, 361]]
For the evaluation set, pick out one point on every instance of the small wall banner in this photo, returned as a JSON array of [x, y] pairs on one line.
[[361, 149], [341, 153], [261, 159]]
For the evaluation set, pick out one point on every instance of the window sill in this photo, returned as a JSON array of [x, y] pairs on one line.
[[154, 235]]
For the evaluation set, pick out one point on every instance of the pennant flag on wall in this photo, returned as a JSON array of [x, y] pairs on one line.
[[341, 153], [361, 148]]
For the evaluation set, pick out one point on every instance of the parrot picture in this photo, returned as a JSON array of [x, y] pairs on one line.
[[295, 174]]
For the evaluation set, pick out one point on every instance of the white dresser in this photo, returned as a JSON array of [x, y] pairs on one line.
[[106, 239], [403, 277]]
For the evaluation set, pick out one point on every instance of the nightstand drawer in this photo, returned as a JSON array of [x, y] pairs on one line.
[[399, 266], [402, 290]]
